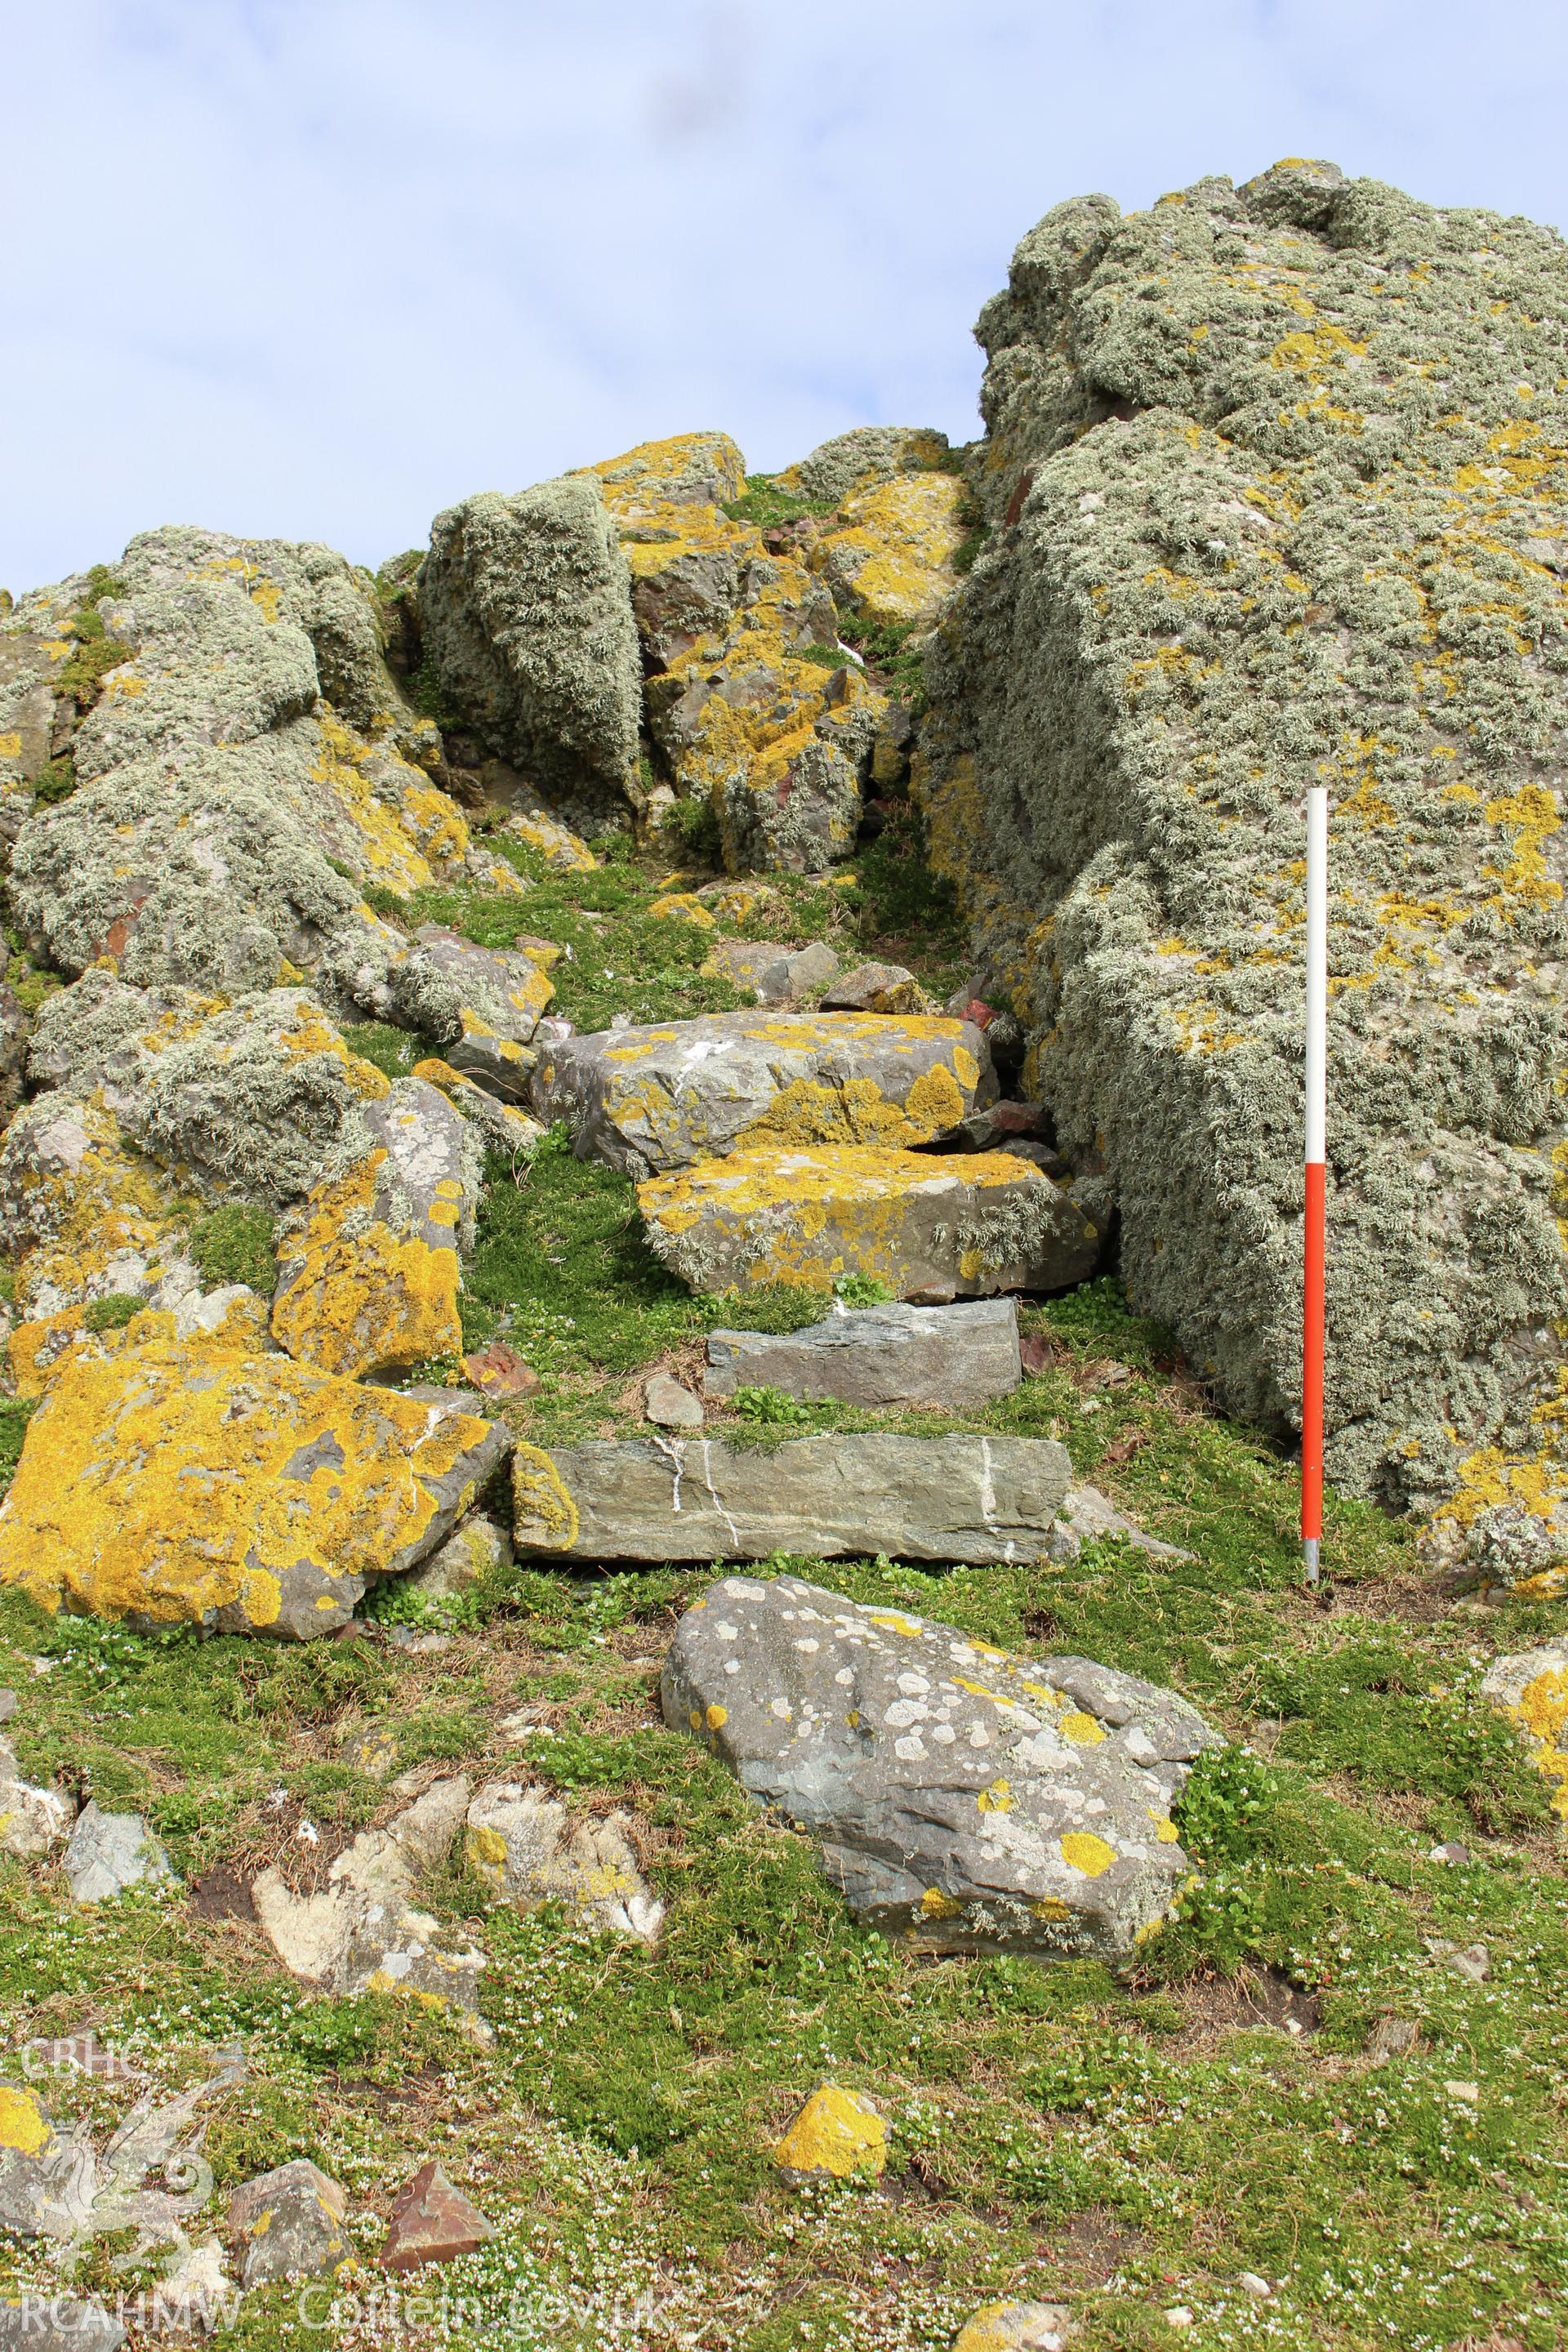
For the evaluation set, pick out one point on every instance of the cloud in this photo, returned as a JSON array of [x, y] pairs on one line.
[[317, 268]]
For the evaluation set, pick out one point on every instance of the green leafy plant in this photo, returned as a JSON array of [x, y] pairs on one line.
[[235, 1243], [764, 504], [112, 1314], [862, 1290], [772, 1408]]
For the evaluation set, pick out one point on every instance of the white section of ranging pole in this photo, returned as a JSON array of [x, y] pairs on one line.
[[1317, 970], [1313, 1224]]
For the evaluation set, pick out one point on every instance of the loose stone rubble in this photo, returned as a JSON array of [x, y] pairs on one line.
[[947, 1498], [290, 2222], [524, 1846], [965, 1800]]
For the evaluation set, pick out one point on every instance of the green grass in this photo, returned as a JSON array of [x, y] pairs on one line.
[[235, 1243], [766, 505]]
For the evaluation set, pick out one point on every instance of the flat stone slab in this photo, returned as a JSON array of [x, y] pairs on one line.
[[958, 1357], [653, 1098], [980, 1499], [966, 1799], [109, 1852], [966, 1224]]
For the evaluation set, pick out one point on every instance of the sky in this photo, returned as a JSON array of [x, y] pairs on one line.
[[317, 268]]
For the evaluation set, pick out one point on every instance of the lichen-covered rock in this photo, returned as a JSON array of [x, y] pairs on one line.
[[664, 1097], [742, 715], [87, 1218], [250, 1493], [889, 554], [431, 2221], [775, 975], [866, 454], [969, 1225], [255, 1098], [954, 1358], [1275, 483], [368, 1279], [476, 1550], [1017, 2328], [981, 1499], [526, 1849], [525, 602], [1532, 1689], [227, 1321], [500, 1126], [225, 816], [556, 844], [876, 988], [966, 1799], [836, 2135], [290, 2222]]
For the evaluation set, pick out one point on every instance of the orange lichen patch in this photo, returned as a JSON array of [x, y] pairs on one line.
[[684, 907], [175, 1484], [40, 1352], [892, 554], [25, 2128], [545, 1514], [558, 845], [838, 2133], [807, 1217], [686, 467], [358, 1295]]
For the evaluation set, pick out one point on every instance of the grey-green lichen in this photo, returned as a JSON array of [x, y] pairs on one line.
[[525, 605], [1278, 485]]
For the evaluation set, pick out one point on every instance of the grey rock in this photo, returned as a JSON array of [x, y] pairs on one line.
[[1472, 1961], [109, 1853], [476, 1548], [965, 1800], [657, 1098], [526, 608], [1151, 911], [527, 1849], [8, 1705], [957, 1357], [291, 2223], [57, 2322], [501, 994], [1391, 2037], [1017, 2327], [876, 988], [669, 1405], [776, 975], [929, 1228], [980, 1499]]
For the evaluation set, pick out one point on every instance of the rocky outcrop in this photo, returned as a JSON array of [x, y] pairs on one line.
[[965, 1800], [664, 1097], [1274, 481], [525, 604], [927, 1225], [889, 555], [951, 1499], [866, 454], [174, 1484], [955, 1359]]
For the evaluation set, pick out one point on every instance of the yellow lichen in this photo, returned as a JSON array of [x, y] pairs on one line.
[[838, 2132], [358, 1297]]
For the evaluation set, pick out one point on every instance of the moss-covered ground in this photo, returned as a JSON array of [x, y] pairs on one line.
[[1131, 2144]]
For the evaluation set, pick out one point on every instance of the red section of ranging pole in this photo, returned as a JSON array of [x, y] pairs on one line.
[[1315, 1224]]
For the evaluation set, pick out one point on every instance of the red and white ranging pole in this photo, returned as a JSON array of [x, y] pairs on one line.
[[1316, 1227]]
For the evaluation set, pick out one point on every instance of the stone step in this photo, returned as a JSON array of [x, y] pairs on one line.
[[958, 1357], [978, 1499], [955, 1225], [659, 1097]]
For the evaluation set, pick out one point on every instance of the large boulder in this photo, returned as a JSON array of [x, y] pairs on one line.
[[965, 1800], [925, 1224], [890, 553], [525, 602], [175, 1484], [742, 713], [951, 1499], [227, 818], [865, 454], [955, 1359], [1274, 480], [666, 1096]]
